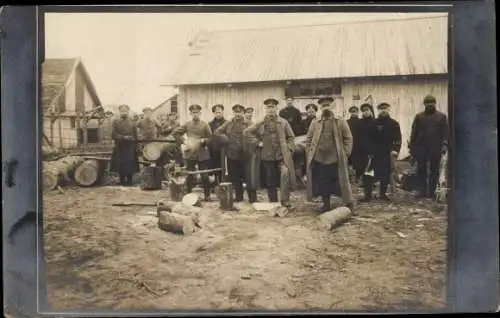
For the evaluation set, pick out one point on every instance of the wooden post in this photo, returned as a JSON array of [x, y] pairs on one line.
[[226, 196], [176, 187], [59, 126], [151, 178]]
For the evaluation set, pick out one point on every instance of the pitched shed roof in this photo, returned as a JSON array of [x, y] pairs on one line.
[[55, 75], [370, 48]]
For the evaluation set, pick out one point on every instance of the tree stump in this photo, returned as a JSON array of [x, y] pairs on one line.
[[225, 192], [335, 217], [177, 188], [89, 173], [191, 199], [176, 223], [151, 178]]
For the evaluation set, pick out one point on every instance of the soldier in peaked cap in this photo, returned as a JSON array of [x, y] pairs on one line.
[[198, 134], [329, 144], [365, 142], [232, 133], [428, 141], [124, 159], [213, 146], [276, 140], [386, 142]]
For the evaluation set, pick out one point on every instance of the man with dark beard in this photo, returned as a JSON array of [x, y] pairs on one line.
[[428, 141], [355, 157], [213, 146], [292, 115], [329, 144], [232, 133], [386, 143], [124, 159]]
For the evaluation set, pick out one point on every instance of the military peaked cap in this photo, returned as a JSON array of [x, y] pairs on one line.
[[429, 99], [123, 108], [383, 105], [364, 106], [217, 106], [238, 106], [353, 108], [194, 107], [271, 101], [249, 110]]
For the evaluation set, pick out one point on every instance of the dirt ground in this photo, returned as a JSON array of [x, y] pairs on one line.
[[390, 257]]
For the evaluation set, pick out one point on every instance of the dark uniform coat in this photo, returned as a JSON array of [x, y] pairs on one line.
[[428, 135], [387, 138], [214, 146], [124, 159], [366, 133], [343, 144], [286, 138], [294, 117]]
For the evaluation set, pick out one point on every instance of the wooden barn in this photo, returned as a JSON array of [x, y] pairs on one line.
[[68, 95], [166, 107], [398, 61]]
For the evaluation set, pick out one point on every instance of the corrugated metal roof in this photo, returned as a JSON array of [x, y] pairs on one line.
[[370, 48]]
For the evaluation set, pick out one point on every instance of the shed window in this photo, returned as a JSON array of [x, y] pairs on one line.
[[92, 136], [313, 90]]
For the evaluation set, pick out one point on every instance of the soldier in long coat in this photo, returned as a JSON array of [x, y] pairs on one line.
[[386, 143], [124, 159], [428, 141], [213, 146], [329, 143], [355, 159], [277, 142], [199, 131], [232, 133]]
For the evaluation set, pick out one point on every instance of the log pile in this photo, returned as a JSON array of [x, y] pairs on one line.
[[178, 217], [57, 172]]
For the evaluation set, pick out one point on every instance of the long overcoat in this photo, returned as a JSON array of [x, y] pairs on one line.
[[124, 158], [287, 145], [343, 143]]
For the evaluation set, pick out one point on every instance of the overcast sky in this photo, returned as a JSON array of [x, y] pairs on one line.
[[129, 55]]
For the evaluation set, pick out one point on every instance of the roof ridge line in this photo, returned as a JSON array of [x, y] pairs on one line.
[[326, 24]]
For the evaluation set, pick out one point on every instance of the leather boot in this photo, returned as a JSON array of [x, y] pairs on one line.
[[367, 188], [326, 204], [272, 195], [383, 190], [252, 196], [238, 194]]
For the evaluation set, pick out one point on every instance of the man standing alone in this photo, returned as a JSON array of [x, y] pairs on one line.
[[124, 159], [428, 141]]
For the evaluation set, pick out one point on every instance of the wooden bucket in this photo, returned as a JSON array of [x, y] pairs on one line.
[[89, 173]]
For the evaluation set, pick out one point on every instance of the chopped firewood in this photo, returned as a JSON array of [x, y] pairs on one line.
[[279, 211], [225, 194], [265, 206], [331, 219], [176, 223], [191, 199]]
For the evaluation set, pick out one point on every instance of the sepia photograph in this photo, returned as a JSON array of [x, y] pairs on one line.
[[245, 161]]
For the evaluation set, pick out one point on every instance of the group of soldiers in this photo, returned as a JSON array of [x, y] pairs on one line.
[[257, 153]]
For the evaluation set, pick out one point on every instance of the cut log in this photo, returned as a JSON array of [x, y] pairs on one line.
[[176, 223], [177, 188], [152, 151], [151, 177], [265, 206], [191, 199], [331, 219], [225, 194], [61, 170], [279, 211], [89, 173]]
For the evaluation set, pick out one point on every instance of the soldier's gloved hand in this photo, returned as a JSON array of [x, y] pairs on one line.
[[394, 153], [203, 142], [260, 144]]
